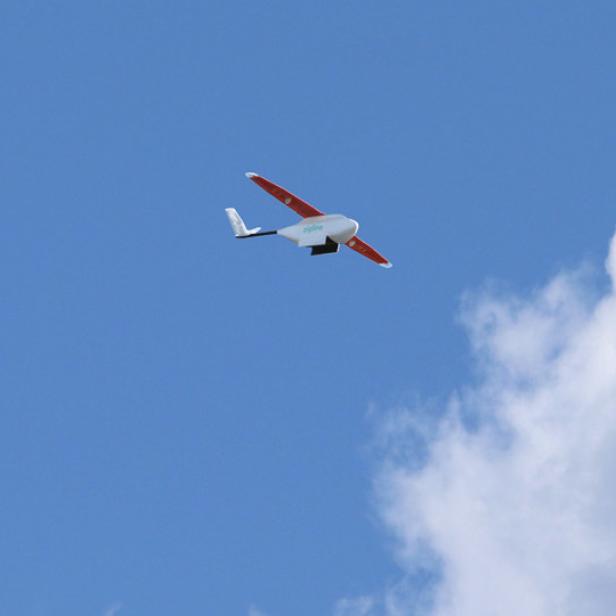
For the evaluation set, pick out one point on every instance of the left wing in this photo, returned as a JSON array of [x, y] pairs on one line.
[[365, 249], [305, 210]]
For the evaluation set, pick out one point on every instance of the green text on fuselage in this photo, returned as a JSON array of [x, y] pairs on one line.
[[312, 228]]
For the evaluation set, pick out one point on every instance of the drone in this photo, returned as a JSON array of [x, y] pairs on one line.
[[322, 233]]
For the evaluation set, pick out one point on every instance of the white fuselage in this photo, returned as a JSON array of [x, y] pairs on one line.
[[315, 230]]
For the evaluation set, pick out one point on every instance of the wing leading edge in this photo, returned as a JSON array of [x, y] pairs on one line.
[[305, 210]]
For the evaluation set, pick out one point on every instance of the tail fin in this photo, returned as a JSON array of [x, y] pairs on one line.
[[237, 224]]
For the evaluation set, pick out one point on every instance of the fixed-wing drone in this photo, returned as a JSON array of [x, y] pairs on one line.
[[322, 232]]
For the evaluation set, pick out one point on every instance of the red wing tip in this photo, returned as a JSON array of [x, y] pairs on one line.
[[386, 265], [251, 174]]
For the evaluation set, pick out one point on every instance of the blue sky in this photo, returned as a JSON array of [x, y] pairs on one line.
[[184, 417]]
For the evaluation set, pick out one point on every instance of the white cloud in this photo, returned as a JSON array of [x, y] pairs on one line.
[[253, 611], [510, 507]]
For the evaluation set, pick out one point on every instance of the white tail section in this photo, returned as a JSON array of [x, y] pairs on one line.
[[237, 224]]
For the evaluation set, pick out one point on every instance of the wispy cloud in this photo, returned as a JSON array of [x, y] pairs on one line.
[[253, 611], [113, 610], [511, 508], [357, 606]]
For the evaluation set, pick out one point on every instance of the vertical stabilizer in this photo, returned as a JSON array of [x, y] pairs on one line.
[[238, 225]]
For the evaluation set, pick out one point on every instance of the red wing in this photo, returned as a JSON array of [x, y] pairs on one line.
[[365, 249], [305, 210]]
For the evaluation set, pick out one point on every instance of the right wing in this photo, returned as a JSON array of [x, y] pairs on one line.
[[305, 210], [365, 249]]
